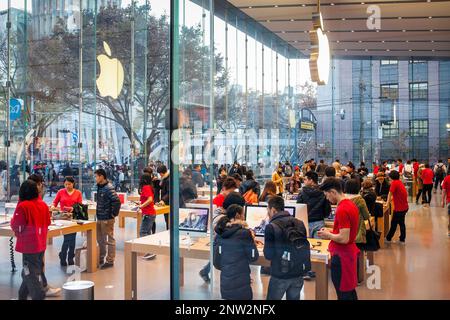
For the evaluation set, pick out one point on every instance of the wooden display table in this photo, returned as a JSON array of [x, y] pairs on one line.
[[90, 227], [134, 198], [159, 244], [128, 213]]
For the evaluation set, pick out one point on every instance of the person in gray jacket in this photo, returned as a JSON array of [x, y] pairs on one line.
[[108, 207]]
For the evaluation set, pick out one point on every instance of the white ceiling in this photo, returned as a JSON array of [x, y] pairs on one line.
[[409, 28]]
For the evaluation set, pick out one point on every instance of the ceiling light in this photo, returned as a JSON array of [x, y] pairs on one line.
[[276, 6], [343, 19], [403, 30], [430, 17], [378, 30], [305, 31], [250, 7], [303, 5], [359, 41], [366, 50], [337, 41], [267, 20], [432, 41], [332, 4], [382, 41], [283, 31], [431, 30], [388, 50], [346, 50], [407, 41], [428, 0], [296, 41], [400, 17], [363, 3], [353, 30], [292, 20], [409, 50], [433, 50]]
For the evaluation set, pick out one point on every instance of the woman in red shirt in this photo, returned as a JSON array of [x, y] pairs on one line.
[[147, 207], [30, 225], [66, 198], [427, 178]]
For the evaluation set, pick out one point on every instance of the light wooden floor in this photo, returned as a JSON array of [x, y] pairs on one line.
[[418, 270]]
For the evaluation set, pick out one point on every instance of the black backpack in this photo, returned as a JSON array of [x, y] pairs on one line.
[[440, 172], [80, 212], [294, 248]]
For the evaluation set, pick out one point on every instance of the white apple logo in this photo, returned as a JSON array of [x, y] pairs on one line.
[[110, 80]]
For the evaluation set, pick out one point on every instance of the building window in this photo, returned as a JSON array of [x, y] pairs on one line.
[[390, 129], [418, 128], [389, 91], [418, 91], [388, 62], [411, 61]]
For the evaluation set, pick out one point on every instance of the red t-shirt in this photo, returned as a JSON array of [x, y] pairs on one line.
[[399, 195], [66, 200], [147, 192], [446, 186], [427, 176], [375, 170], [400, 168], [347, 216], [218, 200]]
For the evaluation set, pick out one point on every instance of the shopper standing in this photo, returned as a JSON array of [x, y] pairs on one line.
[[398, 194], [439, 174], [318, 206], [164, 186], [342, 246], [108, 208], [234, 249], [427, 179], [67, 198], [270, 189], [30, 225], [277, 179], [147, 208], [288, 262]]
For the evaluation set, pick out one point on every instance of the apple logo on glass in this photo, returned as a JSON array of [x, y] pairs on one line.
[[319, 61], [110, 80]]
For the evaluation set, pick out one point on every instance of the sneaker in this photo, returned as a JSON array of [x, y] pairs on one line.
[[52, 292], [205, 277], [107, 265], [149, 256]]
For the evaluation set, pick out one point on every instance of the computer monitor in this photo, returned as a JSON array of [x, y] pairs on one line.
[[193, 219], [257, 218]]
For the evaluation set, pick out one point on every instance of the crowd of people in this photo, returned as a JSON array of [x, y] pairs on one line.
[[354, 192]]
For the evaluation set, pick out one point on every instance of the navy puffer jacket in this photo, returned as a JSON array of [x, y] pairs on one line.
[[108, 202], [237, 251]]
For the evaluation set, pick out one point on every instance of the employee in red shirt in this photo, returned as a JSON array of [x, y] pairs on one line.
[[446, 198], [147, 207], [228, 186], [398, 194], [401, 166], [30, 225], [67, 198], [342, 247], [427, 178]]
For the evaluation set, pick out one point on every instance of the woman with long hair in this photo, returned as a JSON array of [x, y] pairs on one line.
[[270, 189]]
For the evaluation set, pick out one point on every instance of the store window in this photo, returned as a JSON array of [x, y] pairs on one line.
[[418, 128], [418, 91], [389, 91]]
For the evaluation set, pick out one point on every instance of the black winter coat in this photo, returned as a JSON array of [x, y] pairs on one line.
[[318, 206], [237, 251], [108, 202]]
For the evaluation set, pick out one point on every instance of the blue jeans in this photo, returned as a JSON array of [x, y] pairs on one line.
[[147, 224], [314, 227], [278, 287]]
